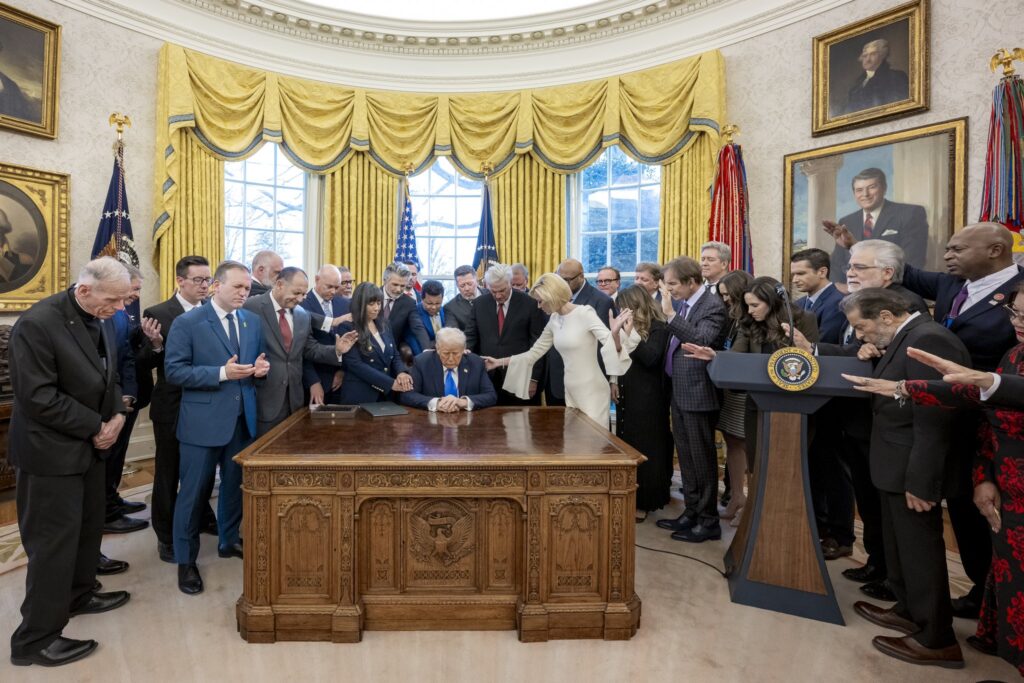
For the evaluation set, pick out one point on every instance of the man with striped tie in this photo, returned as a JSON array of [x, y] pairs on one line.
[[447, 379]]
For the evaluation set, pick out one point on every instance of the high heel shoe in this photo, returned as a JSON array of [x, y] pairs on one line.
[[732, 510], [737, 518]]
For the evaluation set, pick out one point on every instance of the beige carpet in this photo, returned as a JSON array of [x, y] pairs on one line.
[[690, 631]]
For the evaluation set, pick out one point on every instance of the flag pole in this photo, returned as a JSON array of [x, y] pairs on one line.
[[120, 121], [486, 168]]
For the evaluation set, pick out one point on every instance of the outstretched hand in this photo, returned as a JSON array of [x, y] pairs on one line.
[[493, 363], [262, 366], [799, 340], [344, 342], [952, 372], [235, 370], [872, 385], [698, 352], [840, 233]]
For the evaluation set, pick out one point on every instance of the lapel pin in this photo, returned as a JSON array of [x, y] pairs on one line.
[[998, 296]]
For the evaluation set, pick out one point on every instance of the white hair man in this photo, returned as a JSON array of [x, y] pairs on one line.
[[715, 258], [266, 266], [878, 83], [448, 379]]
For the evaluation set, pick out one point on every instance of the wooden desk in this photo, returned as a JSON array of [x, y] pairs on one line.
[[505, 518]]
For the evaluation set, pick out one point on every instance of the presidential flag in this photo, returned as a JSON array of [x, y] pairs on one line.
[[486, 252], [114, 234]]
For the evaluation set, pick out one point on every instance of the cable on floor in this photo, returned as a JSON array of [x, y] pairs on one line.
[[688, 557]]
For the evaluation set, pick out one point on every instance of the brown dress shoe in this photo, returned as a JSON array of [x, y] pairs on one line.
[[885, 618], [909, 650]]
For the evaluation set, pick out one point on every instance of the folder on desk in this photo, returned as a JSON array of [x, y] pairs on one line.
[[383, 408]]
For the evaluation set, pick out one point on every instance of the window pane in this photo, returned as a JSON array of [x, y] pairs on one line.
[[650, 206], [596, 175], [289, 246], [259, 207], [257, 240], [288, 174], [595, 211], [290, 213], [259, 168], [446, 216], [648, 246], [595, 252], [469, 213], [234, 244], [649, 173], [624, 208], [624, 250], [625, 171], [234, 170], [442, 212], [234, 203], [465, 249], [442, 256]]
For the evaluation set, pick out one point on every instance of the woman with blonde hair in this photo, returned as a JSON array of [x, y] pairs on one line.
[[575, 331]]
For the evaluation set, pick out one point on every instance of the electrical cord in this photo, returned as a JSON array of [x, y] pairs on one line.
[[688, 557]]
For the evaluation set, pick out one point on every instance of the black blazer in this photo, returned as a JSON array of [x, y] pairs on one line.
[[919, 448], [902, 224], [602, 304], [523, 324], [166, 397], [405, 318], [63, 390], [984, 327]]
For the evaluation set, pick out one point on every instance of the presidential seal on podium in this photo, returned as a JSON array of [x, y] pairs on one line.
[[793, 369]]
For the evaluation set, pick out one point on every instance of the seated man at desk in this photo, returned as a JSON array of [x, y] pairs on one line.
[[448, 379]]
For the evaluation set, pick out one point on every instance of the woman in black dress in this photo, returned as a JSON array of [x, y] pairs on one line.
[[642, 398]]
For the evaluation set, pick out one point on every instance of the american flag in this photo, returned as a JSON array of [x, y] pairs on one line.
[[405, 249], [114, 233]]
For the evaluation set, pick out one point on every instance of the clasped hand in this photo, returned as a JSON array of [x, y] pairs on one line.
[[235, 370], [403, 382], [451, 404], [108, 433]]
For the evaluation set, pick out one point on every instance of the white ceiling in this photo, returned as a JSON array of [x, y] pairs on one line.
[[451, 10]]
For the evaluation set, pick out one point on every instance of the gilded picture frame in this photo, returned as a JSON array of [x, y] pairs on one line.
[[912, 182], [34, 249], [29, 73], [872, 70]]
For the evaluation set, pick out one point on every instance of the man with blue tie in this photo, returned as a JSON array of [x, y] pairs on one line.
[[215, 354], [431, 311], [326, 299], [809, 270], [448, 379]]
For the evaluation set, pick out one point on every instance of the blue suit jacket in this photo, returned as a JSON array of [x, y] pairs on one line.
[[369, 374], [318, 372], [410, 338], [123, 329], [428, 381], [984, 328], [831, 319], [197, 348]]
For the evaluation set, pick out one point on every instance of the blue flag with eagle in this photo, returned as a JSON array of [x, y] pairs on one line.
[[114, 234], [486, 252], [405, 249]]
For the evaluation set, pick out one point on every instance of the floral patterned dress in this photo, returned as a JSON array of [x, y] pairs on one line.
[[1000, 460]]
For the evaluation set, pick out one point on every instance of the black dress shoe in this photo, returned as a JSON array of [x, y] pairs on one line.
[[985, 647], [189, 581], [868, 572], [966, 608], [233, 550], [831, 549], [683, 521], [165, 551], [878, 590], [102, 602], [61, 651], [108, 566], [210, 527], [97, 586], [130, 507], [124, 525], [699, 533]]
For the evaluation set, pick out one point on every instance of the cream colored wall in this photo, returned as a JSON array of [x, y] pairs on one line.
[[769, 97], [104, 68]]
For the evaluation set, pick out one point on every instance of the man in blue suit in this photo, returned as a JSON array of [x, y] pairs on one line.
[[215, 354], [809, 270], [326, 299], [448, 379], [431, 311]]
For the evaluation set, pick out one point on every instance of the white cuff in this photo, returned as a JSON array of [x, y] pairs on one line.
[[326, 327], [469, 403], [986, 394], [223, 374], [432, 405]]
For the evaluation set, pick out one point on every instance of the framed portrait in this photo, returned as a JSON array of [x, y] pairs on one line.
[[33, 235], [906, 188], [871, 70], [29, 73]]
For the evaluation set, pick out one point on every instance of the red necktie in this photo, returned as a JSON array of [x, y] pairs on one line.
[[501, 317], [286, 332], [869, 224]]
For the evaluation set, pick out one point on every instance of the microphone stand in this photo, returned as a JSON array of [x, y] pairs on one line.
[[781, 291]]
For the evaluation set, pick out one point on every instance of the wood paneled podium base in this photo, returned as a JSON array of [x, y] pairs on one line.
[[506, 518]]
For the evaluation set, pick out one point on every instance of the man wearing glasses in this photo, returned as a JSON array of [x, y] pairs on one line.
[[608, 281]]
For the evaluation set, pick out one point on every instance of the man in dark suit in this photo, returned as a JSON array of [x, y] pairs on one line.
[[326, 300], [67, 413], [520, 278], [715, 260], [809, 270], [695, 316], [215, 354], [583, 294], [458, 311], [504, 322], [447, 379], [266, 265], [431, 312], [291, 349], [903, 224], [919, 455], [878, 83], [399, 309], [192, 277]]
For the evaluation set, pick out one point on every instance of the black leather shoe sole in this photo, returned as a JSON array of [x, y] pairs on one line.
[[864, 574], [696, 535], [102, 602], [677, 524], [78, 650], [124, 525], [878, 590]]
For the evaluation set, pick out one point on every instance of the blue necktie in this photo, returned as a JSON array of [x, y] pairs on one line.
[[449, 384], [232, 333], [807, 303]]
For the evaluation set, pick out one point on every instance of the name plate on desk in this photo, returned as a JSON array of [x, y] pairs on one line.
[[333, 411]]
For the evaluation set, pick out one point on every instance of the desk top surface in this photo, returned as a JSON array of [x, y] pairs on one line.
[[490, 437]]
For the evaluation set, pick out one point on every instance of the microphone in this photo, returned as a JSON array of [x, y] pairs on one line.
[[781, 291]]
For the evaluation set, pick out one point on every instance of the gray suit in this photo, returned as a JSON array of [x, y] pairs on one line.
[[282, 392], [695, 407]]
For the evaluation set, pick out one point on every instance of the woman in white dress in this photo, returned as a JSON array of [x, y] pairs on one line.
[[575, 332]]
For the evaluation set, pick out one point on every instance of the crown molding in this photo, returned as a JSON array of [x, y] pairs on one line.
[[677, 29]]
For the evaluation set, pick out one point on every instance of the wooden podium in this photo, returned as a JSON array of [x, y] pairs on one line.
[[775, 560], [504, 518]]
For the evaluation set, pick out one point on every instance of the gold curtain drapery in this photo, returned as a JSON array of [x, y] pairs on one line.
[[686, 200], [529, 215]]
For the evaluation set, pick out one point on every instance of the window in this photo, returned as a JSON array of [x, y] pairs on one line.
[[265, 200], [446, 216], [616, 204]]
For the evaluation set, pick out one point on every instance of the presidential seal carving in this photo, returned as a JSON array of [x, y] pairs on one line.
[[441, 536], [793, 369]]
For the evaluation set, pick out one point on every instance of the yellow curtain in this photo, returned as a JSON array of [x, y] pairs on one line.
[[529, 215], [198, 225], [686, 200], [360, 228]]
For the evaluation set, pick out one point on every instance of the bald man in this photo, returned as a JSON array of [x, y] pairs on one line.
[[12, 264], [266, 265], [326, 301]]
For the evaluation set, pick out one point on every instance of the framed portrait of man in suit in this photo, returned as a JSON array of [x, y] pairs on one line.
[[33, 235], [872, 70], [29, 73], [907, 188]]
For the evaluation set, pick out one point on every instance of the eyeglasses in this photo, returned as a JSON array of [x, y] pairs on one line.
[[607, 282], [860, 267], [200, 280], [1015, 315]]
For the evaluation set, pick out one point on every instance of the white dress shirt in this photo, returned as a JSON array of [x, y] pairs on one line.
[[432, 405], [222, 316], [184, 302], [328, 323], [978, 290]]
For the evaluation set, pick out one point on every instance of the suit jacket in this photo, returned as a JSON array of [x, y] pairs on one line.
[[887, 85], [428, 327], [166, 397], [902, 224], [524, 323], [405, 320], [197, 348], [369, 373], [284, 382], [602, 304], [428, 381], [831, 319], [339, 305], [258, 289], [458, 311], [63, 390], [919, 448], [706, 324], [984, 327], [123, 330]]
